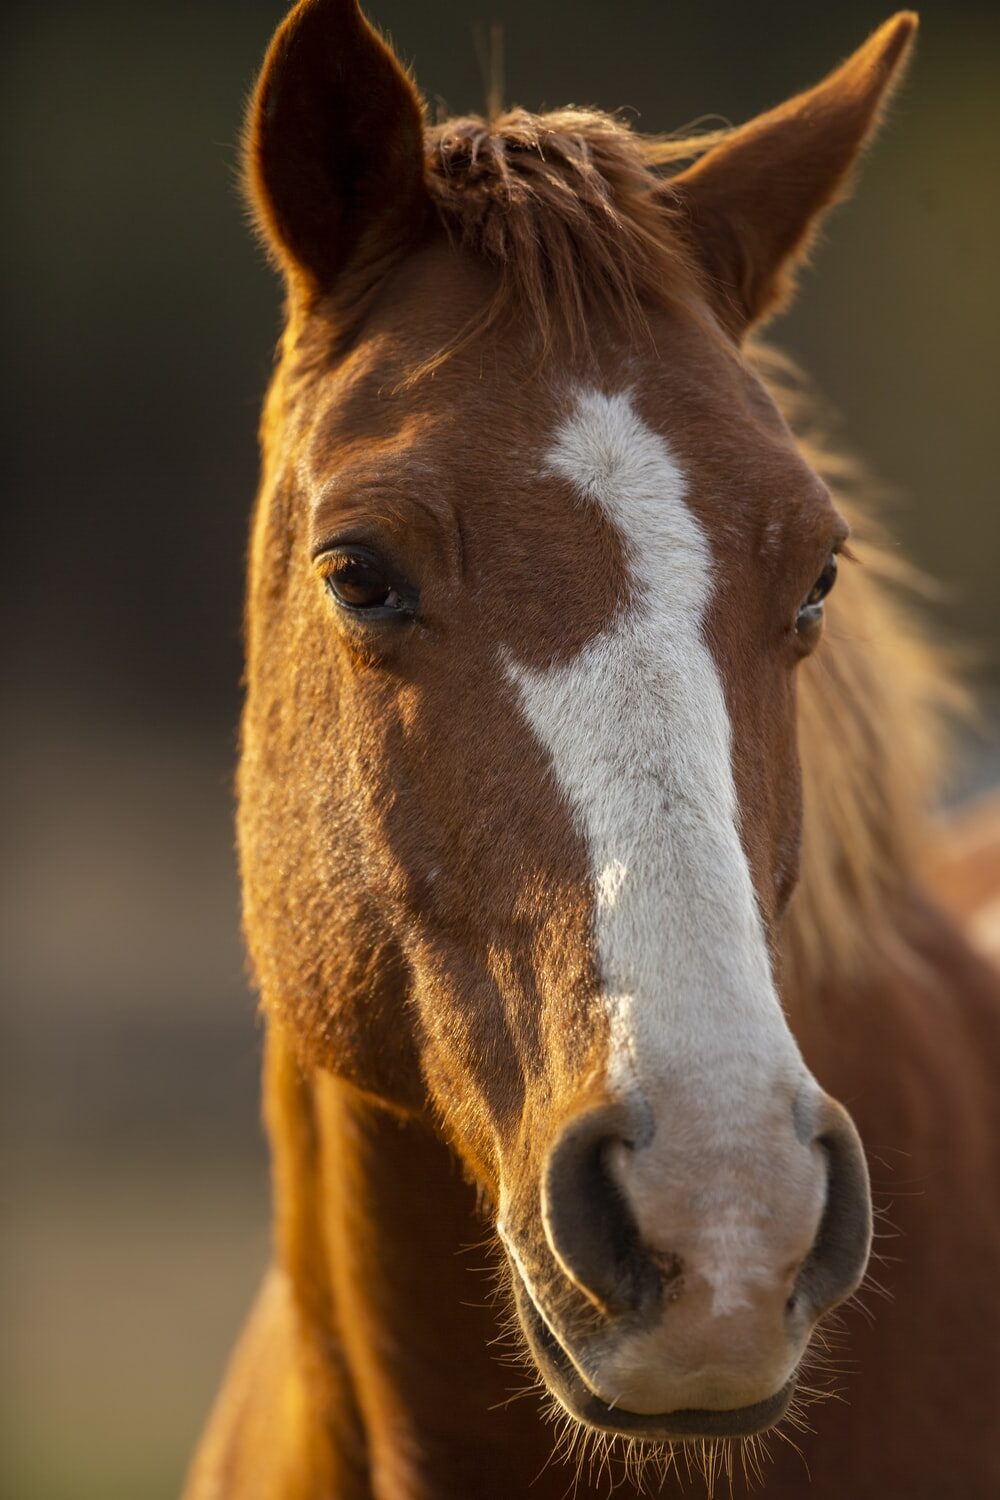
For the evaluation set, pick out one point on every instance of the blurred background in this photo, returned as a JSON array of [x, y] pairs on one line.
[[141, 321]]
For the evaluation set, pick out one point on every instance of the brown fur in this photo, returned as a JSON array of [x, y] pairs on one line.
[[421, 1042]]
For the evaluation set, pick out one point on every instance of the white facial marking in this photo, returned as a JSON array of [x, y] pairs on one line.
[[609, 882], [638, 732]]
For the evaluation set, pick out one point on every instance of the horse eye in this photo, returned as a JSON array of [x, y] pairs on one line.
[[360, 582], [812, 605]]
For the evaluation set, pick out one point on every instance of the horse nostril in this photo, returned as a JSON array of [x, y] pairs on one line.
[[587, 1221], [836, 1263]]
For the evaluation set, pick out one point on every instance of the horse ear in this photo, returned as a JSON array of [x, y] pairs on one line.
[[334, 149], [753, 203]]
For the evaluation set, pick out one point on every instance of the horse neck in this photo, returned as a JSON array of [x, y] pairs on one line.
[[377, 1230]]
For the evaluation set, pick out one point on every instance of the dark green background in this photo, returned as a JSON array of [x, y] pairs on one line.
[[140, 324]]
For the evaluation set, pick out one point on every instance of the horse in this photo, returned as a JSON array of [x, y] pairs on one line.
[[583, 831]]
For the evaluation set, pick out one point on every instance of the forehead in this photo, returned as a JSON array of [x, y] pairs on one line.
[[469, 446]]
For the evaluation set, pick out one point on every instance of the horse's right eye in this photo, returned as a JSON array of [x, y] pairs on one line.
[[360, 582]]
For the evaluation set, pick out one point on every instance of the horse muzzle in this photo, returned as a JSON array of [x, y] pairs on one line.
[[683, 1270]]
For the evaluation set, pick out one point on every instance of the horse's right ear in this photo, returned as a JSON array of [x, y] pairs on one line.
[[334, 150]]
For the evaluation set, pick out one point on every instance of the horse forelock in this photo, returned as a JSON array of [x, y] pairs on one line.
[[569, 208]]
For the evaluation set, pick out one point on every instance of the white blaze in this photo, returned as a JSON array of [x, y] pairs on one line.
[[638, 732]]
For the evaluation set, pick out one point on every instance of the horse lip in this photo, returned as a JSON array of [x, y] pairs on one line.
[[675, 1426]]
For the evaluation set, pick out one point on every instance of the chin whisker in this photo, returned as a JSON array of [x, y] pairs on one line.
[[606, 1461]]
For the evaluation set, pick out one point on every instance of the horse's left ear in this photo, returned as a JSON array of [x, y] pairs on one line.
[[334, 151], [754, 202]]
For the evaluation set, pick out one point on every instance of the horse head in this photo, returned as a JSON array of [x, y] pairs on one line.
[[535, 563]]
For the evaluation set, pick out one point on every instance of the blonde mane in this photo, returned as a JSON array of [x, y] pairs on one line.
[[570, 209], [877, 706]]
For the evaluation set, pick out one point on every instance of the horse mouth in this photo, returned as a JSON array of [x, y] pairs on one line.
[[568, 1386]]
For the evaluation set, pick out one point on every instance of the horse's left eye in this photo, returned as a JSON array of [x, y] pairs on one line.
[[812, 605]]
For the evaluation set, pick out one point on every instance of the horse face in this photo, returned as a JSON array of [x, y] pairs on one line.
[[552, 755], [519, 794]]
